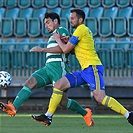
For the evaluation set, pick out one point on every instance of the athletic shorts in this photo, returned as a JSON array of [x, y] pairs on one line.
[[49, 74], [93, 76]]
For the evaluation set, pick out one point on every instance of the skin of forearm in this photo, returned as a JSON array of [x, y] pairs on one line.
[[55, 49], [63, 46]]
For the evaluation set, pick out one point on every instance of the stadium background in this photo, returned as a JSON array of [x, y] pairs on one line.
[[21, 28]]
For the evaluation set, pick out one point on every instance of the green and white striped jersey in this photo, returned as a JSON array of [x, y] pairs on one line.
[[50, 57]]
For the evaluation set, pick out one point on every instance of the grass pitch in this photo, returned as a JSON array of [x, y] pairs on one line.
[[22, 123]]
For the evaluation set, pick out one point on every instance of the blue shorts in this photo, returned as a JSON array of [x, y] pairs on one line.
[[93, 76]]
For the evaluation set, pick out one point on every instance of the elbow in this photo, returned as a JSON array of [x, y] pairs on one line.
[[65, 51]]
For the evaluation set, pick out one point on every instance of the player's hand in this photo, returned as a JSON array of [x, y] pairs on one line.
[[36, 49], [56, 36], [64, 39]]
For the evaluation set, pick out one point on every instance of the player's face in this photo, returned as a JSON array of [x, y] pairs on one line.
[[49, 24], [74, 20]]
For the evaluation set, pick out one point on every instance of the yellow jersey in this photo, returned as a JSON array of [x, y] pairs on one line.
[[84, 50]]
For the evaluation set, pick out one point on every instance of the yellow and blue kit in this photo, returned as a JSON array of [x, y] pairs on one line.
[[92, 68]]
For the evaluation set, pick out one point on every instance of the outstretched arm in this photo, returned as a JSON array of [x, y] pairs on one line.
[[55, 49]]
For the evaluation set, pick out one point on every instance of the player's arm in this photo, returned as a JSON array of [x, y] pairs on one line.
[[55, 49], [66, 48]]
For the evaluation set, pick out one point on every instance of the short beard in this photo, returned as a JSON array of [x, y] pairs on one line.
[[75, 26], [50, 31]]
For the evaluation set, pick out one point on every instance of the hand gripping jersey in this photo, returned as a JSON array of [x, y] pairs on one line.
[[50, 57]]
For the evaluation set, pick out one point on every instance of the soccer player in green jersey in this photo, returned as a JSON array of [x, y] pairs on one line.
[[55, 68], [92, 69]]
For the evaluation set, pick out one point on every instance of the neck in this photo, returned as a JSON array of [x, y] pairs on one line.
[[57, 26]]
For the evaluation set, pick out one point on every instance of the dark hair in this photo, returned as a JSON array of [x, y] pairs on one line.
[[53, 16], [80, 13]]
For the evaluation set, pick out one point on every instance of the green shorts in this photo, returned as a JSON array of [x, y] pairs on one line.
[[49, 74]]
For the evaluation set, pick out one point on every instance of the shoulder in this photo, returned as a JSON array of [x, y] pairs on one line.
[[82, 28], [63, 31]]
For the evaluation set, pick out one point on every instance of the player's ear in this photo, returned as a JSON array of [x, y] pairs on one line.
[[80, 20], [55, 21]]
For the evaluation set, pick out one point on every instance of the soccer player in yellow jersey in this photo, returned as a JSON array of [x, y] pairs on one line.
[[92, 69]]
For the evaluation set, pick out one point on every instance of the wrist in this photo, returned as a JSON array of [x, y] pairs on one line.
[[42, 50], [58, 40]]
